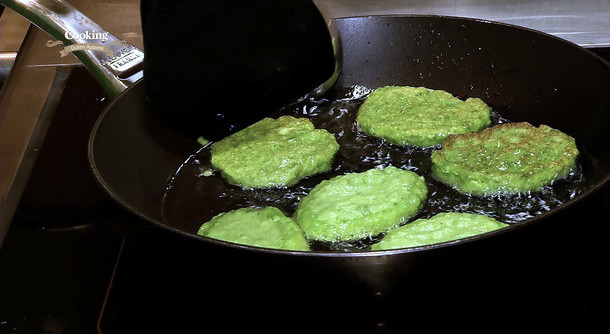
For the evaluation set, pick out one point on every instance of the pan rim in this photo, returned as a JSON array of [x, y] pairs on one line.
[[479, 20]]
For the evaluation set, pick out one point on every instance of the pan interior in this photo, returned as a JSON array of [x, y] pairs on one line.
[[197, 192]]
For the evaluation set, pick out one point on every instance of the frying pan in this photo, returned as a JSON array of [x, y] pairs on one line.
[[522, 74]]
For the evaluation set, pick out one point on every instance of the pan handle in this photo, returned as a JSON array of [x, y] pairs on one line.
[[115, 64]]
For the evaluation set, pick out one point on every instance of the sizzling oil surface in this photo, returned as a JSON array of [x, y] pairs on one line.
[[196, 193]]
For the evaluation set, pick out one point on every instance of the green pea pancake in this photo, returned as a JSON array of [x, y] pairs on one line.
[[274, 153], [419, 116], [267, 227], [359, 205], [442, 227], [505, 159]]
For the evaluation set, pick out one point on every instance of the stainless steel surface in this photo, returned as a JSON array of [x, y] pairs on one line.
[[113, 67], [13, 28], [7, 60], [586, 23], [23, 115]]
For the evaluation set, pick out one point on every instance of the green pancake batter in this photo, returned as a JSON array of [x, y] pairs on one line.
[[267, 227], [419, 116], [440, 228], [360, 205], [505, 159], [274, 153]]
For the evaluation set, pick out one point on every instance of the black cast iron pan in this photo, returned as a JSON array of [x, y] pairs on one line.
[[523, 74]]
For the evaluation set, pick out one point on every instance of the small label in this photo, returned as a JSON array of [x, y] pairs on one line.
[[124, 60]]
